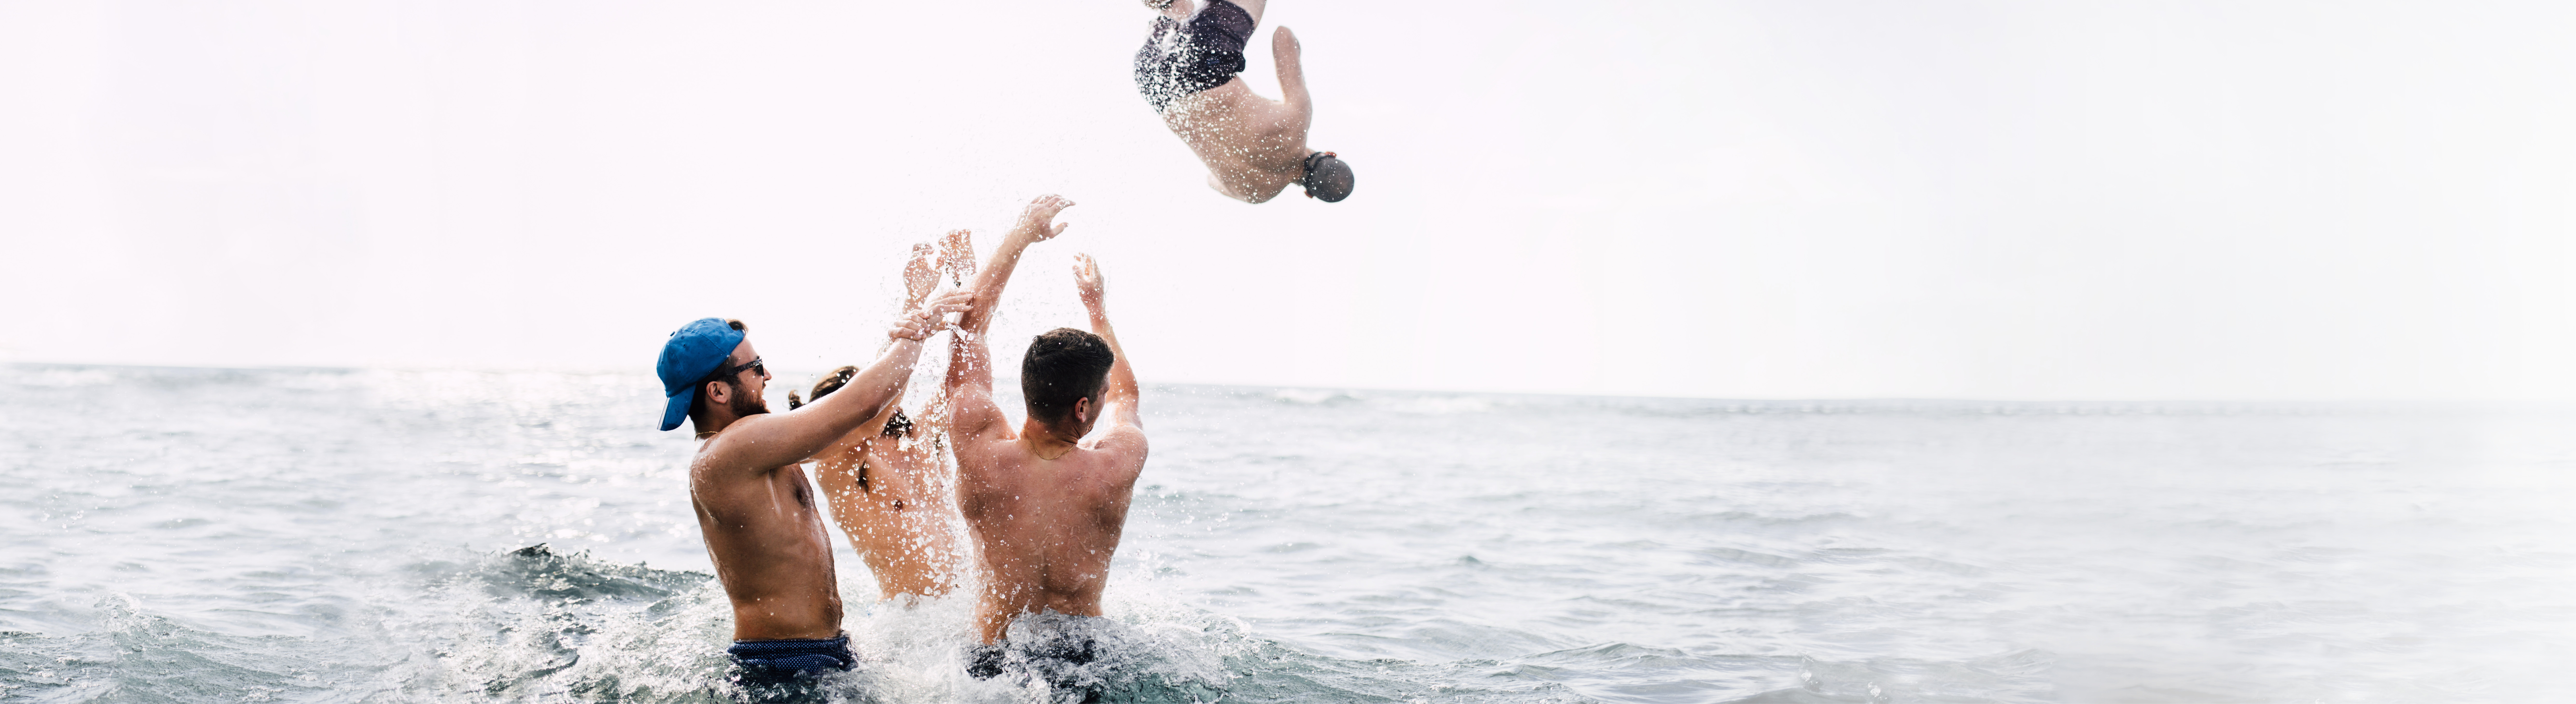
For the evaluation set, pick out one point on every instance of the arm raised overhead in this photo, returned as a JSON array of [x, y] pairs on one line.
[[771, 440], [1118, 398], [969, 385], [1036, 224]]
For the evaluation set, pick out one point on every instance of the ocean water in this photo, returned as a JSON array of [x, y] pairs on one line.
[[191, 535]]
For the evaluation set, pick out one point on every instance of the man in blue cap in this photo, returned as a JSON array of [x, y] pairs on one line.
[[754, 505]]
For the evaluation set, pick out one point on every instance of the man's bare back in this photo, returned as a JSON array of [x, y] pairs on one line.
[[1253, 146], [1044, 502]]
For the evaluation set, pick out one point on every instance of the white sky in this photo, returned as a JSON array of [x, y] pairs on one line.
[[2041, 200]]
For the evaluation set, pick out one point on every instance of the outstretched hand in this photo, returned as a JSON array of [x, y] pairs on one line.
[[1087, 283], [957, 255], [919, 279], [1037, 222], [929, 319]]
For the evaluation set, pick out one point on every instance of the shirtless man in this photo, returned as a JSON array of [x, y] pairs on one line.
[[749, 492], [885, 481], [1253, 146], [1044, 502]]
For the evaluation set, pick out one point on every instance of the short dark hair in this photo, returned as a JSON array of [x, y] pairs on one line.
[[698, 403], [1064, 365], [1327, 178]]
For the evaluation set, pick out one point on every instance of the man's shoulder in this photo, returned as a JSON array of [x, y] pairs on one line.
[[1118, 457], [983, 445], [718, 452], [978, 456], [1123, 439], [723, 453]]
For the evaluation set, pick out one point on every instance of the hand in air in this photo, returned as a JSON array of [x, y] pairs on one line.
[[931, 318], [957, 255], [1034, 220], [1086, 281], [919, 279]]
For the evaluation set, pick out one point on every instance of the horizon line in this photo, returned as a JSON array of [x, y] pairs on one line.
[[1837, 402]]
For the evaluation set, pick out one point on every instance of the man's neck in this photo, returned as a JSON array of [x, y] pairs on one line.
[[1045, 442], [714, 422]]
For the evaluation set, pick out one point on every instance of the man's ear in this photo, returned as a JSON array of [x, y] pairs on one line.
[[1081, 410], [716, 392]]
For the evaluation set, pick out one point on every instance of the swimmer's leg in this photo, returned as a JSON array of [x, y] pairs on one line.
[[1253, 7], [1288, 57]]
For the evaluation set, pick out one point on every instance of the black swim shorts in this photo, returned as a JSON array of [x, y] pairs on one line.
[[986, 661], [1058, 656], [1184, 58], [787, 670]]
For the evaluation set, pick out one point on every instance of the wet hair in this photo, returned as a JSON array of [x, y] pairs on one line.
[[897, 425], [1063, 366], [1327, 178], [830, 383]]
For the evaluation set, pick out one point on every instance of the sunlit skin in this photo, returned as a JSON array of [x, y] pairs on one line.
[[1044, 503], [758, 514], [1253, 146], [891, 495], [901, 521]]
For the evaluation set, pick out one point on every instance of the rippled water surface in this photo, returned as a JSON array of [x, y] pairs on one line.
[[205, 535]]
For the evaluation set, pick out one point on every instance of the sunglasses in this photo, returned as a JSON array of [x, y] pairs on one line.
[[754, 365]]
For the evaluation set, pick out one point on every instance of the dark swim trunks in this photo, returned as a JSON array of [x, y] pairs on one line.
[[1057, 649], [1180, 59], [788, 670], [986, 661]]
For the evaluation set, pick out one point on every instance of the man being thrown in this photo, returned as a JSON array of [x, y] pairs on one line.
[[885, 481], [1253, 146], [749, 492], [1046, 501]]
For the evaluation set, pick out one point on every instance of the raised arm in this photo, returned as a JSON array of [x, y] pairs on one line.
[[920, 276], [770, 440], [1118, 398], [968, 388], [1036, 224], [956, 257], [969, 384], [920, 279]]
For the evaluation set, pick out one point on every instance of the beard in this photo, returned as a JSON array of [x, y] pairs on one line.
[[743, 405]]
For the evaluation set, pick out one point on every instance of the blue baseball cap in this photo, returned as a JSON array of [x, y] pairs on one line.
[[693, 352]]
